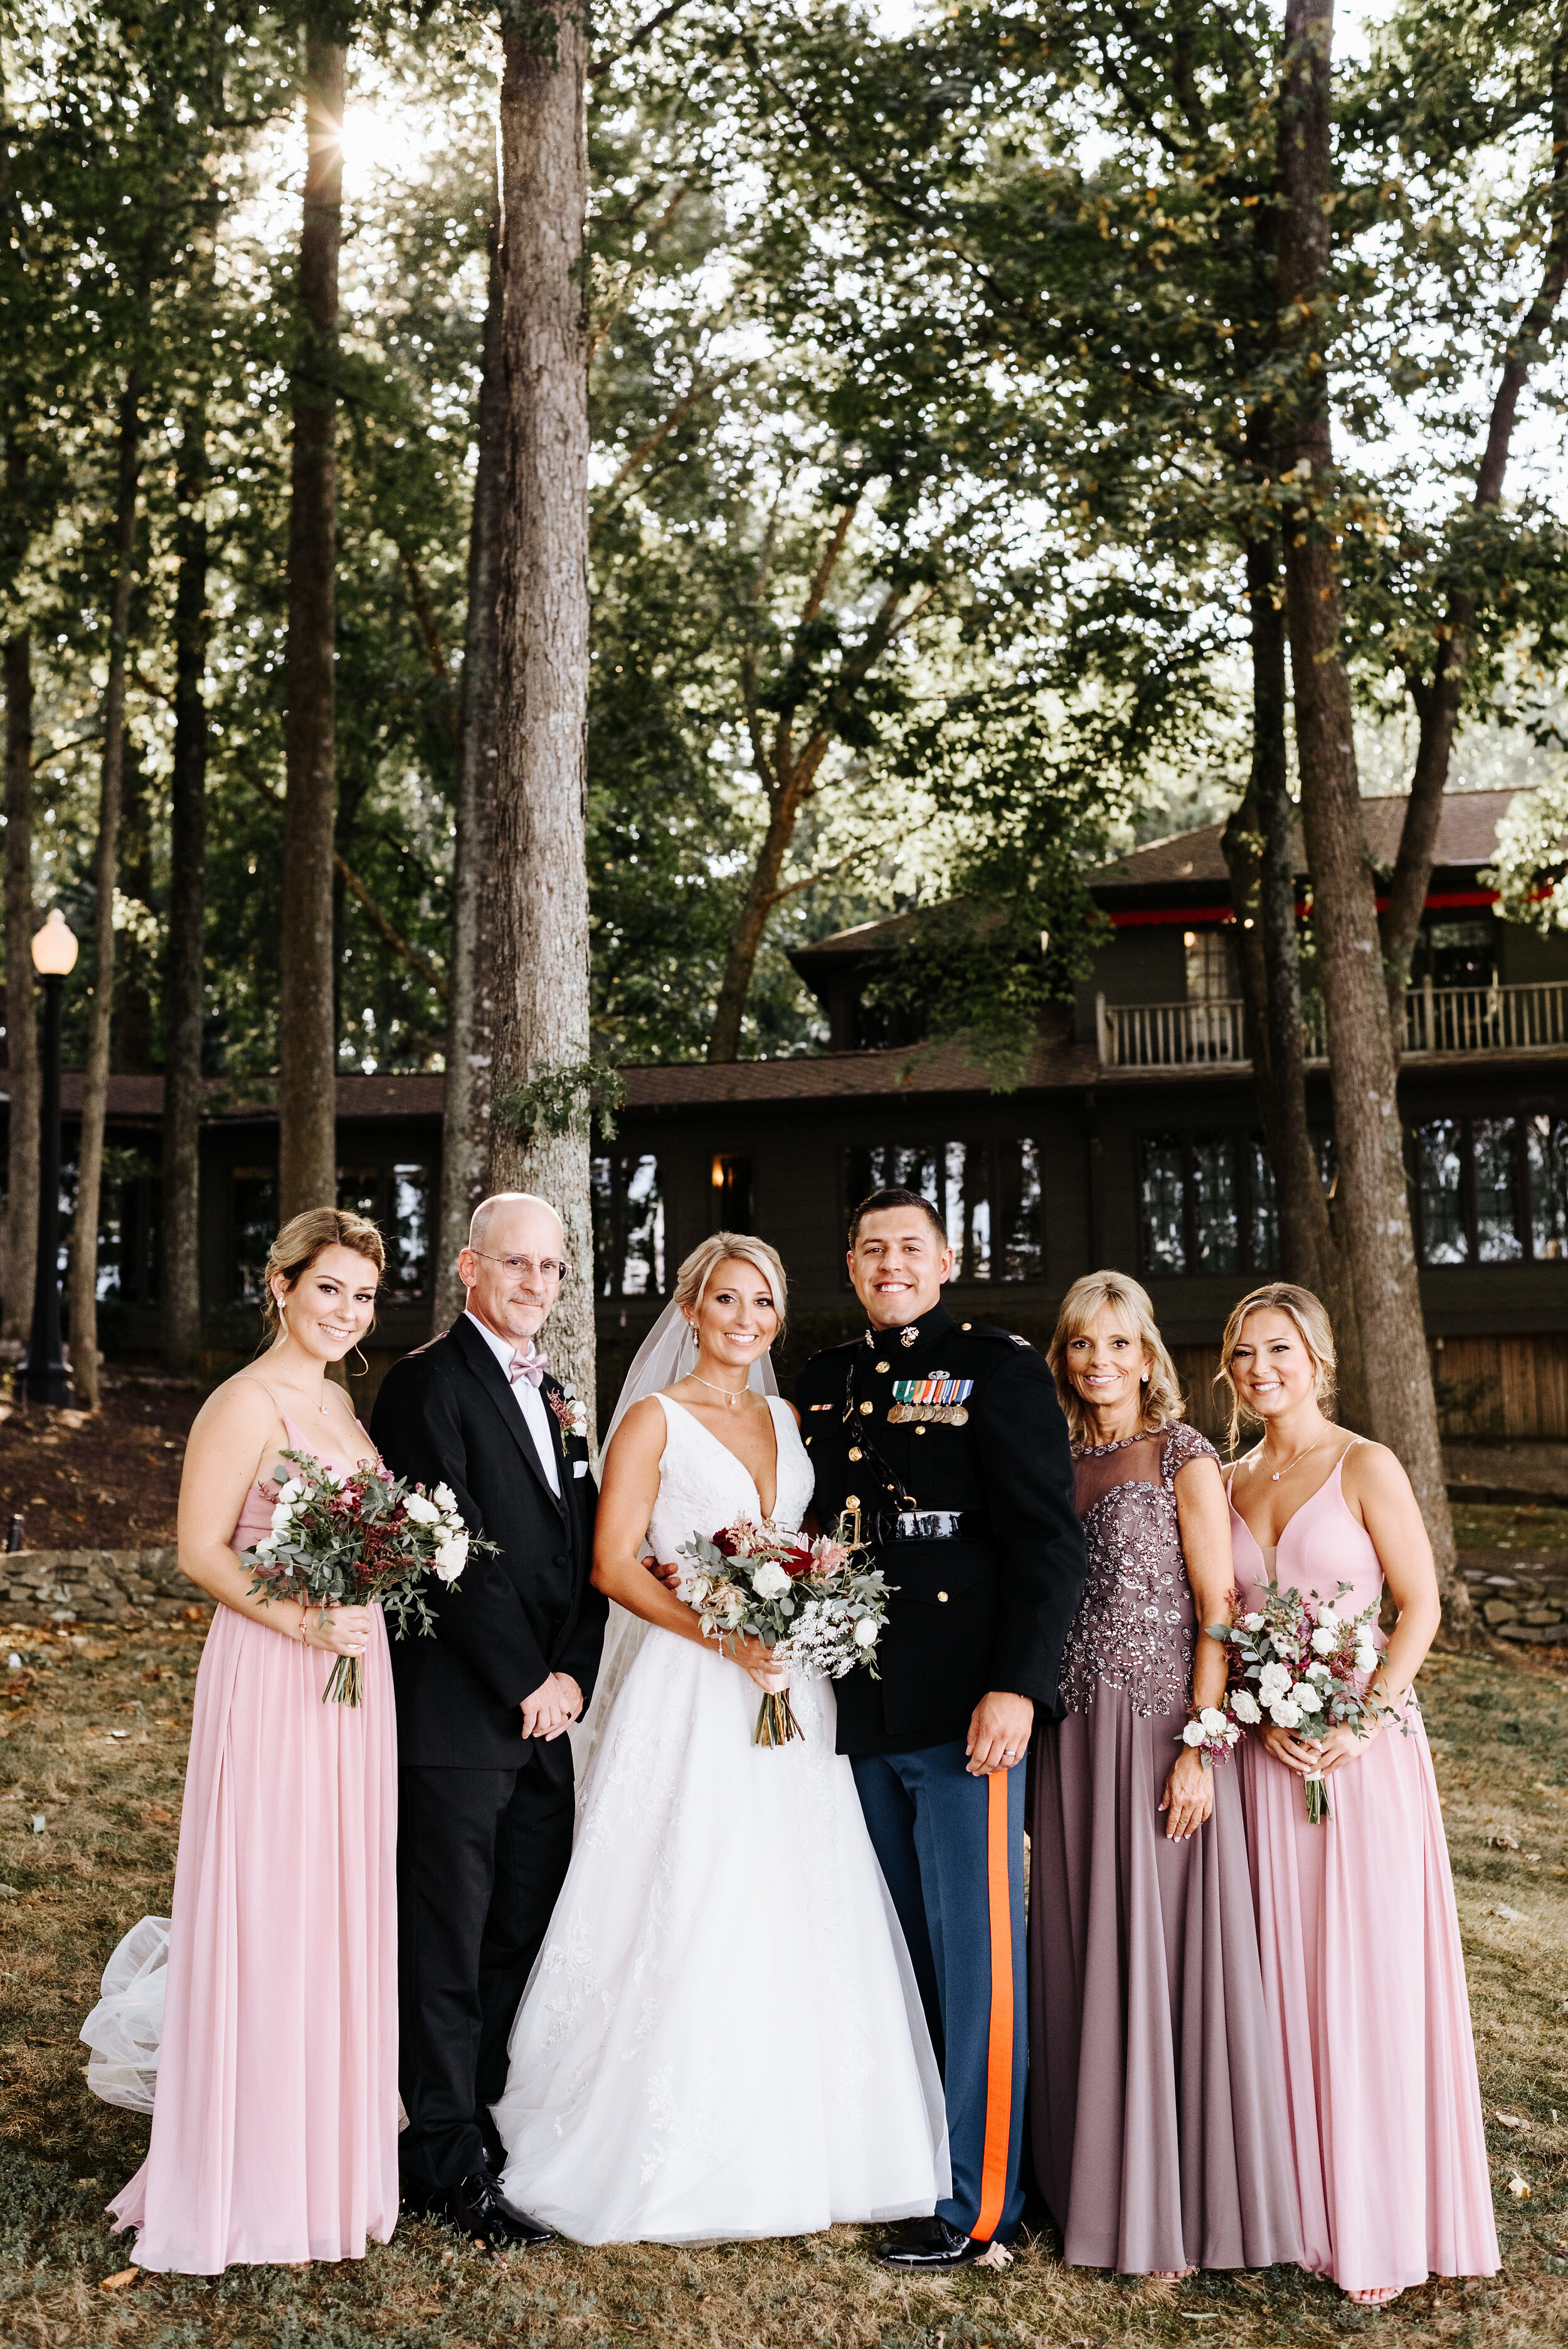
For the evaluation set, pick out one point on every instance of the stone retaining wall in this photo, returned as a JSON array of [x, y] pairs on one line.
[[96, 1586]]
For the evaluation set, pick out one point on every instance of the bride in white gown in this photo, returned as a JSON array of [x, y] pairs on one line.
[[722, 2036]]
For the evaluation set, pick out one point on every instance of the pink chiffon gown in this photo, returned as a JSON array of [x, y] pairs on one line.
[[1364, 1979], [274, 2123]]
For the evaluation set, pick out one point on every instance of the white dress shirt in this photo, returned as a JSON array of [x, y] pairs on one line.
[[530, 1401]]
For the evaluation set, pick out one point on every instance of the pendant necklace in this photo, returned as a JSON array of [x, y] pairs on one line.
[[730, 1398], [1276, 1474]]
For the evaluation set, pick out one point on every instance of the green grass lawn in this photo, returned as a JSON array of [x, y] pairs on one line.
[[1499, 1728]]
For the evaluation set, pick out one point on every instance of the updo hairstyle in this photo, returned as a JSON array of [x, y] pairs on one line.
[[305, 1238], [1313, 1327], [692, 1280], [1161, 1401]]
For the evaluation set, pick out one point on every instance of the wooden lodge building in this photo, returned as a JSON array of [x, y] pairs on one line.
[[1132, 1142]]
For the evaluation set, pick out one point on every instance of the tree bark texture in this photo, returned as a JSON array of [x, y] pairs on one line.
[[471, 976], [541, 1011], [83, 1290], [1363, 1064], [307, 1148], [132, 1042], [21, 1016], [1437, 697], [183, 982]]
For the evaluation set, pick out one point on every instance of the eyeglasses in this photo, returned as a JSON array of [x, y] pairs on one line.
[[523, 1268]]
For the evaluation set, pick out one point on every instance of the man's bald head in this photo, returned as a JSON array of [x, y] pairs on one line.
[[514, 1263]]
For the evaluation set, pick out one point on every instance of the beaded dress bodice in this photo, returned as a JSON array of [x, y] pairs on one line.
[[1134, 1630]]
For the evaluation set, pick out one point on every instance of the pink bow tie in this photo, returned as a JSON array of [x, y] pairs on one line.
[[531, 1367]]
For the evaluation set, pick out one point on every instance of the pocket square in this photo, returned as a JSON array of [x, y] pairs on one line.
[[580, 1468]]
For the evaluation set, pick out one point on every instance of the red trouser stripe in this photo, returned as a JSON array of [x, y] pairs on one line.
[[999, 2053]]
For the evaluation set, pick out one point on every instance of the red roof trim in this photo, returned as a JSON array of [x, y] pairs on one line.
[[1193, 916]]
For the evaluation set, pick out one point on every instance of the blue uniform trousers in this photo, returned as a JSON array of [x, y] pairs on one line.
[[952, 1850]]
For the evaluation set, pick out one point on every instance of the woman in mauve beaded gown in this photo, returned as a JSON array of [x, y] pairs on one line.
[[1155, 2087], [1363, 1972], [274, 2121]]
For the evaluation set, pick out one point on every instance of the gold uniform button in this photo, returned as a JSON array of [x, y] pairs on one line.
[[867, 1409], [943, 1596], [920, 1431], [854, 1450], [851, 1500], [884, 1366]]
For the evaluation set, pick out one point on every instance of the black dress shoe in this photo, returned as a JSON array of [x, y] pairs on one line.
[[477, 2208], [932, 2243], [421, 2199]]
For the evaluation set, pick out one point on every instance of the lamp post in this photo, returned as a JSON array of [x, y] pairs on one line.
[[44, 1374]]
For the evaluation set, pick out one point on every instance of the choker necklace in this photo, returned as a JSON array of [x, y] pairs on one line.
[[731, 1399]]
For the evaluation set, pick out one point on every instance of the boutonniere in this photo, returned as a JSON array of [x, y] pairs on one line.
[[571, 1413]]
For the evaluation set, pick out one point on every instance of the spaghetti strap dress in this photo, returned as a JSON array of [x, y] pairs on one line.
[[1364, 1977], [1155, 2086], [275, 2124]]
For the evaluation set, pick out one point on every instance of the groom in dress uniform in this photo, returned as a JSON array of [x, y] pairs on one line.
[[944, 1443], [484, 1782]]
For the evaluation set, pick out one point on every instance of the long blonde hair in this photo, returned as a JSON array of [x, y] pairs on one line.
[[305, 1238], [1161, 1398], [1313, 1328], [692, 1280]]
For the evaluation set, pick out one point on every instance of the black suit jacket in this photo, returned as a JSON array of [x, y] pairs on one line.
[[990, 1609], [446, 1414]]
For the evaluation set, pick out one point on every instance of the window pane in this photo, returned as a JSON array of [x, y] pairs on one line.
[[360, 1191], [408, 1248], [1162, 1194], [1217, 1222], [1437, 1177], [1018, 1219], [898, 1167], [642, 1272], [729, 1194], [966, 1208], [606, 1247], [1263, 1216], [1493, 1145], [255, 1228], [1546, 1156]]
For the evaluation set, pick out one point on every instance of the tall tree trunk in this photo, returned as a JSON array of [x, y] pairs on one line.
[[746, 939], [1437, 697], [83, 1291], [1379, 1247], [132, 998], [307, 1148], [541, 908], [21, 1018], [181, 1286], [472, 999]]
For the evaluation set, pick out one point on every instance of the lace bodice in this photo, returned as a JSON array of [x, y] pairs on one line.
[[702, 1485], [1134, 1628]]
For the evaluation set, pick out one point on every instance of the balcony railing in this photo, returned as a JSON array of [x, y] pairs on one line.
[[1437, 1019]]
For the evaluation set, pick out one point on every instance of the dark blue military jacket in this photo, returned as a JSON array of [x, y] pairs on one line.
[[990, 1608]]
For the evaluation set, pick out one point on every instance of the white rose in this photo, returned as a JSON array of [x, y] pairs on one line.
[[1273, 1682], [266, 1546], [1283, 1715], [697, 1589], [865, 1632], [292, 1491], [1365, 1660], [423, 1512], [451, 1557], [1320, 1673], [444, 1498], [1193, 1733], [282, 1519], [1326, 1639], [1213, 1720], [769, 1581], [1306, 1697], [1328, 1614], [1251, 1622], [1244, 1706]]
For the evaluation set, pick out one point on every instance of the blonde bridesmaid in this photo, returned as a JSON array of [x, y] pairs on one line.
[[1363, 1974], [275, 2124]]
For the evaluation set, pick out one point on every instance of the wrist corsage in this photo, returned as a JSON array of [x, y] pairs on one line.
[[1213, 1735]]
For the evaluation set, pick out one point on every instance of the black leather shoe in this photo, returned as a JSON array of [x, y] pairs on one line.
[[477, 2208], [419, 2199], [932, 2243]]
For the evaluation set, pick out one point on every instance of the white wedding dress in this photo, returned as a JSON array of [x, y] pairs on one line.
[[722, 2037]]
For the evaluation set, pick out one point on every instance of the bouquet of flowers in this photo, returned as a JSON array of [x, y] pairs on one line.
[[1302, 1656], [807, 1600], [366, 1540]]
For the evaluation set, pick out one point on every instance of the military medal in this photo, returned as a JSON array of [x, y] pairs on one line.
[[937, 1400]]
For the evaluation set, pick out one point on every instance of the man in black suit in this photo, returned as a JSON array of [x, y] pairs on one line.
[[485, 1783]]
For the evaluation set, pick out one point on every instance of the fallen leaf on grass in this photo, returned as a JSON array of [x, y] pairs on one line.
[[118, 2281], [1514, 2120], [156, 1811], [1518, 2188], [1514, 1916], [1503, 1840]]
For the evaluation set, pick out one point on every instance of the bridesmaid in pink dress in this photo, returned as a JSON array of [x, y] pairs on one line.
[[274, 2125], [1363, 1980]]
